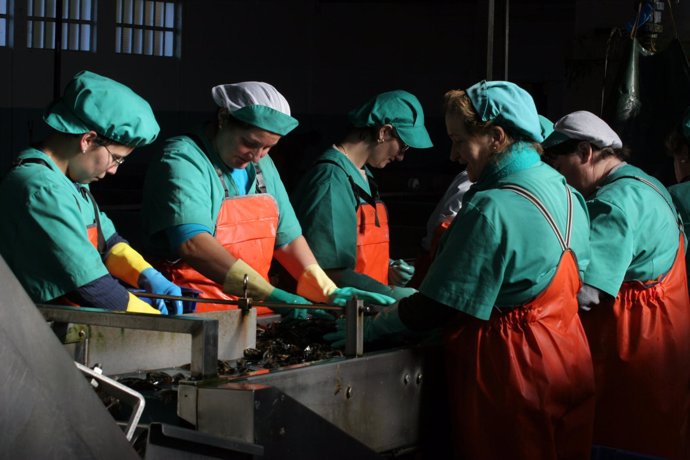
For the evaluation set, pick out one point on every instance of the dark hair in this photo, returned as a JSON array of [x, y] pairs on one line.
[[569, 146], [675, 141]]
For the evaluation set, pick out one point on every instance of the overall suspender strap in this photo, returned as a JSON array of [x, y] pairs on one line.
[[101, 239], [656, 189], [260, 183], [359, 192], [564, 242], [84, 192]]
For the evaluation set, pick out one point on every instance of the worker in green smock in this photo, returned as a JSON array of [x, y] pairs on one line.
[[337, 201], [215, 208], [678, 145], [60, 246], [503, 285], [636, 309]]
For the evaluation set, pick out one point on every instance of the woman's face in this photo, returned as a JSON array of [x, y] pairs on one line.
[[578, 168], [239, 146], [471, 150], [96, 160], [390, 150]]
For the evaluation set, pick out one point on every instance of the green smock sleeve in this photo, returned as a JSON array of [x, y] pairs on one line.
[[612, 245], [326, 207], [182, 187], [468, 270], [60, 257]]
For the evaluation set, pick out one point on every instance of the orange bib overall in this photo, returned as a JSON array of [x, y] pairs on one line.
[[521, 384], [246, 228], [640, 344], [373, 238]]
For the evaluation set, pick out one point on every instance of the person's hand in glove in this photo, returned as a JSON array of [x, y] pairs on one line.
[[153, 281], [340, 297], [384, 324], [126, 264], [259, 288], [401, 292], [587, 297], [314, 284], [281, 296], [399, 272]]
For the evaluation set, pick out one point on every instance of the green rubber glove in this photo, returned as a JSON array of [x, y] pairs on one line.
[[399, 272], [399, 293], [340, 297], [281, 296], [385, 323]]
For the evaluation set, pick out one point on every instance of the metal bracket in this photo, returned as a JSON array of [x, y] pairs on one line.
[[204, 331], [244, 303], [121, 392], [354, 327]]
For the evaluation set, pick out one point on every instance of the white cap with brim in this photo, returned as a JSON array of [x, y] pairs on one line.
[[256, 103], [583, 126]]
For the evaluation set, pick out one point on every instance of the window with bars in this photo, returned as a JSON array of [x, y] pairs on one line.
[[75, 27], [146, 27], [4, 23]]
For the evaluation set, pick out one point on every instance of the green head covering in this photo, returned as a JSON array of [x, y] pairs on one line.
[[685, 126], [256, 103], [398, 108], [507, 105], [546, 126], [92, 102]]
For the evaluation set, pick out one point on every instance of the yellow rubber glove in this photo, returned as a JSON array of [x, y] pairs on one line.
[[315, 285], [124, 263], [258, 287], [136, 305]]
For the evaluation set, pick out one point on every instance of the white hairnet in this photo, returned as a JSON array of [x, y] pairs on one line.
[[239, 95]]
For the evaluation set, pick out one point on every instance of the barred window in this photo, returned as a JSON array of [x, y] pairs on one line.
[[78, 20], [4, 23], [146, 27]]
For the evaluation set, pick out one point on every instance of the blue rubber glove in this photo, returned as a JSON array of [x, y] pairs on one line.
[[340, 297], [399, 272], [278, 295], [153, 281], [385, 323]]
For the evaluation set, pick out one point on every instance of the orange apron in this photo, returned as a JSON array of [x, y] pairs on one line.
[[423, 262], [373, 238], [640, 344], [246, 228], [373, 241], [521, 383]]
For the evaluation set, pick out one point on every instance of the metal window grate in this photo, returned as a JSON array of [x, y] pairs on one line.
[[78, 24], [146, 27], [4, 23]]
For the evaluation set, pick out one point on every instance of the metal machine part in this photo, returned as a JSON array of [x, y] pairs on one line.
[[167, 442], [121, 392], [380, 402], [48, 408], [121, 350], [204, 332]]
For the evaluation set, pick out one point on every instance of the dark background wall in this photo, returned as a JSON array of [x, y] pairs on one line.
[[326, 57]]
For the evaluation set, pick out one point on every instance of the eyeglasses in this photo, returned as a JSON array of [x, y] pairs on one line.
[[403, 146], [117, 159]]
